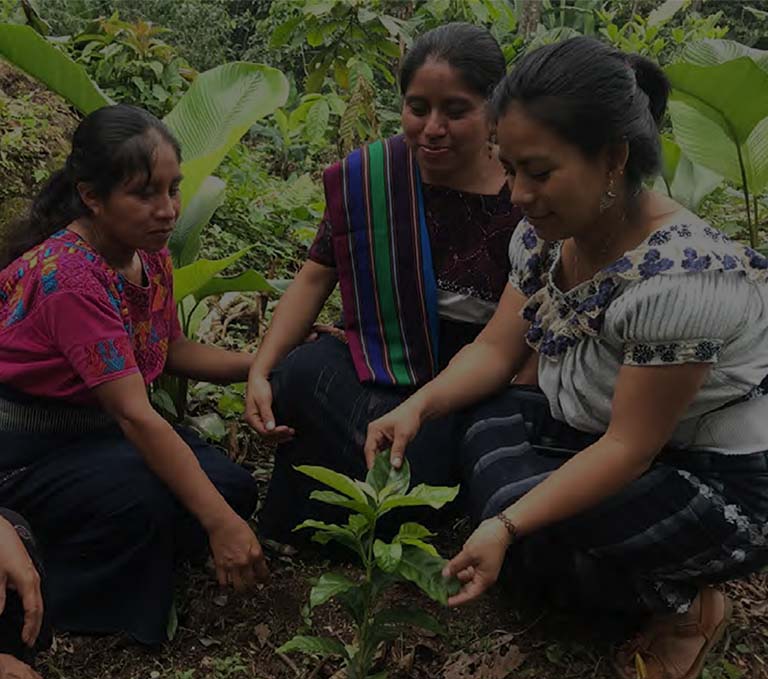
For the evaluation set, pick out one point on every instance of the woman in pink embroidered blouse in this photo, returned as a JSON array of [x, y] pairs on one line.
[[116, 494]]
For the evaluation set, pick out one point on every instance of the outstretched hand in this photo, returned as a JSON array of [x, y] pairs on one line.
[[258, 411], [479, 562], [395, 431]]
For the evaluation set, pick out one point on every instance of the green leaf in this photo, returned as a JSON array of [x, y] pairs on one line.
[[688, 182], [722, 87], [173, 622], [354, 601], [210, 425], [316, 123], [358, 524], [33, 54], [217, 110], [387, 556], [331, 498], [425, 571], [333, 479], [412, 534], [331, 531], [284, 31], [664, 12], [185, 240], [714, 52], [391, 623], [413, 530], [247, 281], [327, 587], [421, 496], [189, 279], [320, 646], [384, 475], [162, 399], [419, 544]]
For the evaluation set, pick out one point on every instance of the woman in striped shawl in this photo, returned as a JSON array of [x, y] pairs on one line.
[[415, 234], [638, 476]]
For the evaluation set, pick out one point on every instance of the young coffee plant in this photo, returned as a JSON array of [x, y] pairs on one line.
[[407, 558]]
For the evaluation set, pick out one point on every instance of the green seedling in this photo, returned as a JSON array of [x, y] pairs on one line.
[[409, 557]]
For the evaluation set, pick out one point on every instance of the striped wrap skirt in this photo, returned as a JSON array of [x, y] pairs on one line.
[[695, 517]]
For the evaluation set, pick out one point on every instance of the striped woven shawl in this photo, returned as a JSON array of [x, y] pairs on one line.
[[384, 263]]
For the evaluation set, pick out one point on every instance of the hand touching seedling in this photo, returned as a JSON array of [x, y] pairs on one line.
[[408, 557]]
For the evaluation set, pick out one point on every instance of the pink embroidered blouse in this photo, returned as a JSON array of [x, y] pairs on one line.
[[69, 322]]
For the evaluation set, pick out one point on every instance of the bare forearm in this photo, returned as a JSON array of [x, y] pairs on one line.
[[477, 371], [587, 479], [173, 462], [296, 312], [207, 363]]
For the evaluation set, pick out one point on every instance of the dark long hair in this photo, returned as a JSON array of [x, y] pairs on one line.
[[469, 49], [592, 95], [109, 146]]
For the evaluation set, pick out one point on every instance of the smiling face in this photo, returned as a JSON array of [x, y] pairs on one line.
[[444, 120], [140, 213], [552, 181]]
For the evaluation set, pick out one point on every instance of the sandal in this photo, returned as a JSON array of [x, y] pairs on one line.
[[637, 660]]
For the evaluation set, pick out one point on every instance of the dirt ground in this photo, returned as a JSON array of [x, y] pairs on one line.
[[222, 635]]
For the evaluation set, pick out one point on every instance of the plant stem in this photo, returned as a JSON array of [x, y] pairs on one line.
[[755, 217], [752, 227]]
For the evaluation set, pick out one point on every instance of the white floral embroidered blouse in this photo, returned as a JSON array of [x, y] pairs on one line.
[[686, 294]]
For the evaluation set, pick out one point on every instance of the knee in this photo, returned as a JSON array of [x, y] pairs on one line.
[[308, 373]]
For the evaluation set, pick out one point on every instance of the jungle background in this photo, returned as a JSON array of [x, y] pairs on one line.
[[244, 232]]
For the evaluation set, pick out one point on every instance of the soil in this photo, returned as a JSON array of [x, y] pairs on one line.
[[222, 634]]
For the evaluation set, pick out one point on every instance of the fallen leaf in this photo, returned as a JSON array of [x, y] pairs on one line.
[[262, 633], [207, 642], [221, 600], [496, 663]]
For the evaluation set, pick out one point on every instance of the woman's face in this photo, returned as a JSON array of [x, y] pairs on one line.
[[141, 215], [551, 180], [443, 120]]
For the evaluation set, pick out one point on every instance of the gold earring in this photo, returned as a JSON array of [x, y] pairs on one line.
[[609, 195]]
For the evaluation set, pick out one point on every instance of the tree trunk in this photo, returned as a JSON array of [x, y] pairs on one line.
[[529, 17]]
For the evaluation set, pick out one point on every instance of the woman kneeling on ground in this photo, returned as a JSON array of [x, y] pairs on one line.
[[639, 476], [415, 233], [117, 496]]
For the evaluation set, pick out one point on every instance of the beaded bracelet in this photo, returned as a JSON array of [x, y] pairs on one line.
[[511, 528]]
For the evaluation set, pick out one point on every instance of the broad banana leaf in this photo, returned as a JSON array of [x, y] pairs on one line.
[[719, 110], [33, 54], [188, 280], [686, 182], [248, 281], [217, 110], [185, 241]]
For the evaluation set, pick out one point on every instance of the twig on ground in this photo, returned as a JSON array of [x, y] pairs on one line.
[[284, 658]]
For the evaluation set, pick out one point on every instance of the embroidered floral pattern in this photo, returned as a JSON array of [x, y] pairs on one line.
[[66, 264], [559, 320], [702, 351]]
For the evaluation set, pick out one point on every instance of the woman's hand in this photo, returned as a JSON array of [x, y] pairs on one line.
[[237, 554], [11, 668], [324, 329], [258, 410], [478, 563], [18, 571], [395, 430]]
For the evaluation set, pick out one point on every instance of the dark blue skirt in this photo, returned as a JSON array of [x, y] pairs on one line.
[[694, 517], [110, 531]]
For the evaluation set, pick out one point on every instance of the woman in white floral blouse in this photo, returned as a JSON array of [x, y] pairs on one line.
[[638, 475]]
